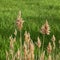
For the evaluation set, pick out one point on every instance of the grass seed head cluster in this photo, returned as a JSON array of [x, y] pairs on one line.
[[28, 49]]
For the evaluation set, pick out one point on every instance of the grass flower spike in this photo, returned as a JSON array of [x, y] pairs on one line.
[[49, 57], [38, 42], [19, 21], [53, 38], [42, 55], [49, 48], [45, 29], [27, 37]]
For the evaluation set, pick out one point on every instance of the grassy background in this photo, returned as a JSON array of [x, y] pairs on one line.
[[34, 13]]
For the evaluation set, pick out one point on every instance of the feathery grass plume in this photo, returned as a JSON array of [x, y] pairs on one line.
[[11, 50], [29, 56], [45, 29], [38, 42], [32, 56], [7, 56], [49, 48], [15, 32], [38, 45], [42, 55], [12, 41], [19, 21], [25, 51], [53, 38], [54, 46], [49, 57], [18, 54], [27, 37], [31, 47], [11, 46]]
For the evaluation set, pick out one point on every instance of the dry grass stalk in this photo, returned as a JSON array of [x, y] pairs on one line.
[[7, 56], [54, 46]]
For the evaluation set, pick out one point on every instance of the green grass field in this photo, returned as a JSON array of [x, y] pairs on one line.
[[34, 13]]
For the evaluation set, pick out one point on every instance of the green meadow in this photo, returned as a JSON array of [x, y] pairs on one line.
[[34, 13]]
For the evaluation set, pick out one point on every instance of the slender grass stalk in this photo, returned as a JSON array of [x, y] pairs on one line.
[[21, 43], [43, 43], [55, 52], [53, 55], [39, 54], [36, 55]]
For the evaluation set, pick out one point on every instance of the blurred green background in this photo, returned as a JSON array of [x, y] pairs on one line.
[[34, 13]]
